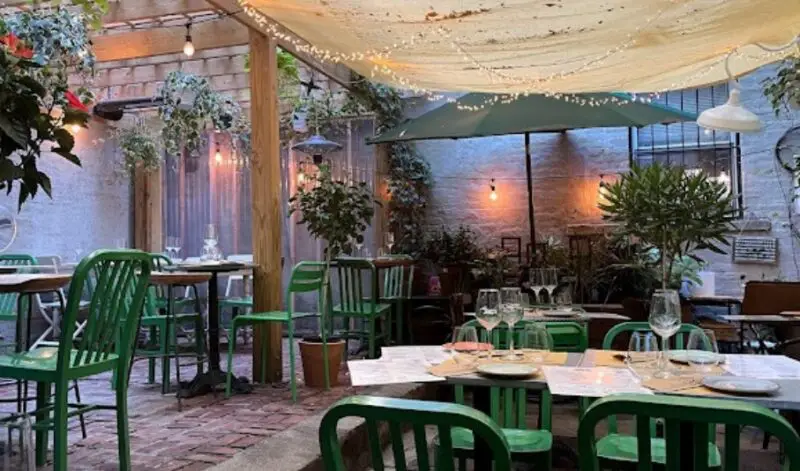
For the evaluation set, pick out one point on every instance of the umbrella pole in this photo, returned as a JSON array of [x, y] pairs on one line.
[[531, 222]]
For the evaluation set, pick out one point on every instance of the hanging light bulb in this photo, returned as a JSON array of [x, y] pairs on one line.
[[493, 194], [218, 155], [74, 129], [188, 47]]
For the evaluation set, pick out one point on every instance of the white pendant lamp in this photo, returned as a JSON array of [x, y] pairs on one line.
[[730, 117]]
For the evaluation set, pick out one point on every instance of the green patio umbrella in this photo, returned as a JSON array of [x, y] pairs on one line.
[[530, 114]]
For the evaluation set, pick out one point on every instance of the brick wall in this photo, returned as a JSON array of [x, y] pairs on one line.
[[566, 174]]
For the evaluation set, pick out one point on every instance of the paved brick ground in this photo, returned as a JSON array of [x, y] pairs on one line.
[[208, 430]]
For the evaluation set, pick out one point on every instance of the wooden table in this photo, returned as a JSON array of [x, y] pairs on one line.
[[207, 382], [750, 320]]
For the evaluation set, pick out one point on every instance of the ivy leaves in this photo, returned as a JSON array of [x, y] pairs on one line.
[[188, 105], [783, 90], [140, 145]]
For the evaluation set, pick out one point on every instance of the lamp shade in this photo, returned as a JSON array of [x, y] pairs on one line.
[[317, 145], [731, 116]]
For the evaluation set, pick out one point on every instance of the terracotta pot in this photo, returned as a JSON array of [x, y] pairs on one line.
[[313, 366]]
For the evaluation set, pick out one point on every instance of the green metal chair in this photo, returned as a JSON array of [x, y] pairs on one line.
[[306, 277], [357, 303], [700, 413], [122, 278], [679, 339], [401, 413], [620, 449], [397, 292], [8, 302], [509, 409], [564, 336]]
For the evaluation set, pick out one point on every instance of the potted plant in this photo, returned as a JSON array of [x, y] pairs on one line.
[[140, 146], [336, 212], [675, 212], [783, 90]]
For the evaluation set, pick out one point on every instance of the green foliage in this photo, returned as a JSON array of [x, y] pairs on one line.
[[783, 90], [30, 92], [445, 247], [665, 208], [141, 146], [93, 10], [185, 123], [324, 113], [409, 174], [493, 265], [334, 211]]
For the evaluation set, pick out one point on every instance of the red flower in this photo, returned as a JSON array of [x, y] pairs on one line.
[[16, 47], [75, 103]]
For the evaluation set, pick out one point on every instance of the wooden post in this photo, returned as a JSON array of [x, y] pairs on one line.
[[267, 202], [147, 211]]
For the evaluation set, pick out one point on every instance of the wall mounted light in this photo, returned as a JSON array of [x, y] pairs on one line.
[[493, 194], [188, 47]]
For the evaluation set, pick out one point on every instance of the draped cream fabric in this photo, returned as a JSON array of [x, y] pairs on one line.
[[544, 45]]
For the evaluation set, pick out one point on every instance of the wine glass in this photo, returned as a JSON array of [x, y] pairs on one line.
[[389, 240], [465, 339], [563, 299], [665, 320], [550, 281], [211, 235], [536, 338], [487, 310], [176, 245], [702, 351], [641, 346], [359, 242], [535, 281], [511, 312]]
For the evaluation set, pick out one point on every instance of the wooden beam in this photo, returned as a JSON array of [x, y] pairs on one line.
[[158, 41], [147, 211], [265, 175], [339, 73], [133, 10]]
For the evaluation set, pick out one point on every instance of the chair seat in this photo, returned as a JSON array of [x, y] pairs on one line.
[[162, 303], [616, 447], [237, 302], [519, 441], [37, 364], [273, 316], [363, 310], [160, 320]]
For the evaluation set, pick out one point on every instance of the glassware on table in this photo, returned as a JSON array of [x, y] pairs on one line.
[[77, 253], [465, 339], [389, 240], [211, 236], [535, 282], [511, 313], [563, 298], [702, 351], [487, 310], [642, 349], [535, 337], [665, 320], [359, 242], [550, 282], [176, 246]]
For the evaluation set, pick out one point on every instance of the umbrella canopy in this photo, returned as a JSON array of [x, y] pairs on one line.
[[534, 113]]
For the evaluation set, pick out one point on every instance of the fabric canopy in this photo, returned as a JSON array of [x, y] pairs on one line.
[[532, 113], [540, 46]]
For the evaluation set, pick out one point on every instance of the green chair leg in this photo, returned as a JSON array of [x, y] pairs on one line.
[[199, 344], [264, 349], [231, 349], [42, 439], [151, 362], [163, 350], [123, 432], [371, 339], [60, 442], [292, 376]]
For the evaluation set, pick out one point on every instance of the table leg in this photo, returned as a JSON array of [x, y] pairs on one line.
[[481, 400], [207, 382]]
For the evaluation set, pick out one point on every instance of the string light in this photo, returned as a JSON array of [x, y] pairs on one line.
[[493, 194], [74, 129], [218, 155], [188, 48]]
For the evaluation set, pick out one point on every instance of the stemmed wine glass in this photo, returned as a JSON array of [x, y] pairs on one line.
[[511, 312], [550, 281], [535, 281], [665, 320], [487, 310], [389, 240], [359, 242]]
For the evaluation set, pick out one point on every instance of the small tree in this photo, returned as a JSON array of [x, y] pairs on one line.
[[675, 212]]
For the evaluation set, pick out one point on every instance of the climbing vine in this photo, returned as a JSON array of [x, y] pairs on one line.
[[409, 174]]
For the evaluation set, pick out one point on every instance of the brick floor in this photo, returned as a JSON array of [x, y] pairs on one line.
[[208, 430]]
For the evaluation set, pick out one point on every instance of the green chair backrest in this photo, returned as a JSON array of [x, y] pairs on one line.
[[121, 278], [416, 415], [158, 262], [700, 413], [509, 405], [354, 275], [8, 301], [395, 282], [630, 327], [564, 336], [307, 277]]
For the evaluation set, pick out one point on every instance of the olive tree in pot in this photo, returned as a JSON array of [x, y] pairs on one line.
[[675, 212], [337, 212]]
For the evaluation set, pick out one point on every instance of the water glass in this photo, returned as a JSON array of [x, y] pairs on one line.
[[702, 351], [511, 312], [535, 337], [487, 310], [563, 298], [211, 235], [465, 339], [665, 320], [642, 348]]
